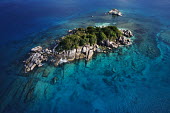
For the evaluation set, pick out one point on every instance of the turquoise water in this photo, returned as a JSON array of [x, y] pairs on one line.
[[133, 79]]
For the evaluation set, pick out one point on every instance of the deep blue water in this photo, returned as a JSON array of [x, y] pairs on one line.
[[134, 79]]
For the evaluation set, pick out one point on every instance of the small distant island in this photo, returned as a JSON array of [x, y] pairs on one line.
[[114, 12], [79, 43]]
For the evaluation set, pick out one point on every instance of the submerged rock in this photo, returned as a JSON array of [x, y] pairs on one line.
[[46, 73], [29, 96], [165, 36], [54, 80], [107, 82]]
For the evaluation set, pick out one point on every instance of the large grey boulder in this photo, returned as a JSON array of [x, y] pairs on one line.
[[36, 49], [107, 43], [90, 54], [72, 53], [78, 52], [126, 33], [84, 49], [124, 41], [114, 45]]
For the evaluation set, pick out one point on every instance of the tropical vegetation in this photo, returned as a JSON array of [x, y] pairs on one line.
[[90, 35]]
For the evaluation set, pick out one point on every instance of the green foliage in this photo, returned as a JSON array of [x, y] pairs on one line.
[[106, 31], [101, 36], [98, 29], [118, 33], [112, 36], [82, 42], [90, 35], [81, 29], [114, 28], [92, 39], [70, 42], [91, 30]]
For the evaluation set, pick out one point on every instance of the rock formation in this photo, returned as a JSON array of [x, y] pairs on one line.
[[36, 49], [115, 12], [126, 33], [38, 54], [124, 41]]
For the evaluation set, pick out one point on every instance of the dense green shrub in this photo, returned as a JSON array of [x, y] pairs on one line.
[[92, 39], [101, 37], [90, 35]]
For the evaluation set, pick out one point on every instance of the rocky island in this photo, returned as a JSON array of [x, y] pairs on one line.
[[115, 12], [79, 43]]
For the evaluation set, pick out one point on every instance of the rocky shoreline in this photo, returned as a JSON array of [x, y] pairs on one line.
[[38, 55]]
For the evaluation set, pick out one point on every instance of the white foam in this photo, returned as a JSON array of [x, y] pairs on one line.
[[102, 24]]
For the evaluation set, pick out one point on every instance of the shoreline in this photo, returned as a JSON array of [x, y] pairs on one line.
[[39, 55], [80, 43]]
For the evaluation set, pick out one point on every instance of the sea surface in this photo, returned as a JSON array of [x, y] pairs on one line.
[[132, 79]]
